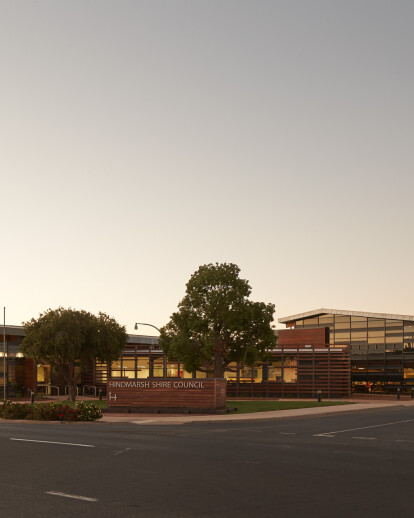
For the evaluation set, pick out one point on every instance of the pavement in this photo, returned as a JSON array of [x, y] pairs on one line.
[[165, 419]]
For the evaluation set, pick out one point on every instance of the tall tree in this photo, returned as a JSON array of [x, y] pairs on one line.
[[64, 337], [217, 324]]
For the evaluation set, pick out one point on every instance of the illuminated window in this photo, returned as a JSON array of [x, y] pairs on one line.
[[290, 369]]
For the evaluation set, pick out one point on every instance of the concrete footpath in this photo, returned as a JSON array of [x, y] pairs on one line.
[[156, 419]]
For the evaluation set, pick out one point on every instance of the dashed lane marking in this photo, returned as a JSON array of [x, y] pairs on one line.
[[122, 451], [366, 438], [68, 495], [54, 442], [332, 434]]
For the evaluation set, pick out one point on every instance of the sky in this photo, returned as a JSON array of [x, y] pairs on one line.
[[142, 139]]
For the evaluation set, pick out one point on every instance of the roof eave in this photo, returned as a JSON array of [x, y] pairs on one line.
[[323, 311]]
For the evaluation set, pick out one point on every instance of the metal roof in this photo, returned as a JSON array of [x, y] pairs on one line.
[[13, 330], [324, 311], [132, 339], [142, 339]]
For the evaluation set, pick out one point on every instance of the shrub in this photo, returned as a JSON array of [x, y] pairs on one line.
[[11, 410], [88, 411], [50, 411], [53, 412]]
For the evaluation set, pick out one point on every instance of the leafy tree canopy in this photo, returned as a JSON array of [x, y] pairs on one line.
[[217, 324], [63, 337]]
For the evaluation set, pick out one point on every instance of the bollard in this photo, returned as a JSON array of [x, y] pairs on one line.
[[319, 396], [32, 397], [100, 395], [412, 392], [398, 393]]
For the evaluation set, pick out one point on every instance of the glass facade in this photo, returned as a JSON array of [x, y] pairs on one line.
[[382, 350], [11, 366]]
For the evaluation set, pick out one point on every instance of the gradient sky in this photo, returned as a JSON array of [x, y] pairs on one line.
[[141, 139]]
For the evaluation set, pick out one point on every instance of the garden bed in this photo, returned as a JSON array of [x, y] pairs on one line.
[[58, 411]]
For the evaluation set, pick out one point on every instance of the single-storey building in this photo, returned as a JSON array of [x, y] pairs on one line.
[[303, 363]]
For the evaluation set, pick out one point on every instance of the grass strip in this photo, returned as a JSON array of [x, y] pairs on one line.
[[247, 407]]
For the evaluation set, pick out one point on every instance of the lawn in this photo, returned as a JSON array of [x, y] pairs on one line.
[[247, 407]]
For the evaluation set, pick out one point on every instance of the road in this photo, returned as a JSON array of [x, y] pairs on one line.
[[352, 464]]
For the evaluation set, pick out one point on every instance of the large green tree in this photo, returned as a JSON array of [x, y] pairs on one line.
[[66, 337], [217, 324]]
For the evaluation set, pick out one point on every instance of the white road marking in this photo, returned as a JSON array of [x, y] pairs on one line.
[[287, 433], [366, 438], [54, 442], [122, 451], [327, 434], [68, 495]]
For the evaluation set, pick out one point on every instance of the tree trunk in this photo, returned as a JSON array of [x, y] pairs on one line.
[[218, 365], [72, 382]]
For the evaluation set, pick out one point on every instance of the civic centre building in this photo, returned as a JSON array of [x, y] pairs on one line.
[[327, 350]]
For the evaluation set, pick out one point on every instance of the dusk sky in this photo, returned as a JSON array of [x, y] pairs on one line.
[[141, 139]]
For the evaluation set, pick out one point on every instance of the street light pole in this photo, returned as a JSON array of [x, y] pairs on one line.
[[142, 324], [150, 347], [4, 355]]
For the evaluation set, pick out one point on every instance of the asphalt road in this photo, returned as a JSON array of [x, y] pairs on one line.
[[346, 465]]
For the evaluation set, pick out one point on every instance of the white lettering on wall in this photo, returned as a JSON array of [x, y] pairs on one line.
[[182, 384]]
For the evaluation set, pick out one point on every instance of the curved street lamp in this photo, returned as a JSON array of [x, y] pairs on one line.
[[142, 324]]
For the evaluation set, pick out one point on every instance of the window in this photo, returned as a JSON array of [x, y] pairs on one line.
[[290, 369], [342, 337], [231, 374], [376, 322], [100, 372], [275, 370], [116, 369], [358, 323], [158, 367], [342, 322], [409, 373], [246, 374], [358, 336], [143, 370], [172, 370], [326, 319], [307, 322], [393, 323]]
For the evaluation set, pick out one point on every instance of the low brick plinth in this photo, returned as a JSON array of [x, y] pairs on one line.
[[161, 394]]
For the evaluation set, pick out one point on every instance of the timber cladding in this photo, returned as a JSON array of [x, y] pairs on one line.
[[167, 393], [316, 369], [315, 336]]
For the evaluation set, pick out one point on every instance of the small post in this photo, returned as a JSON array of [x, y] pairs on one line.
[[319, 395], [32, 397], [398, 393], [100, 394], [412, 392]]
